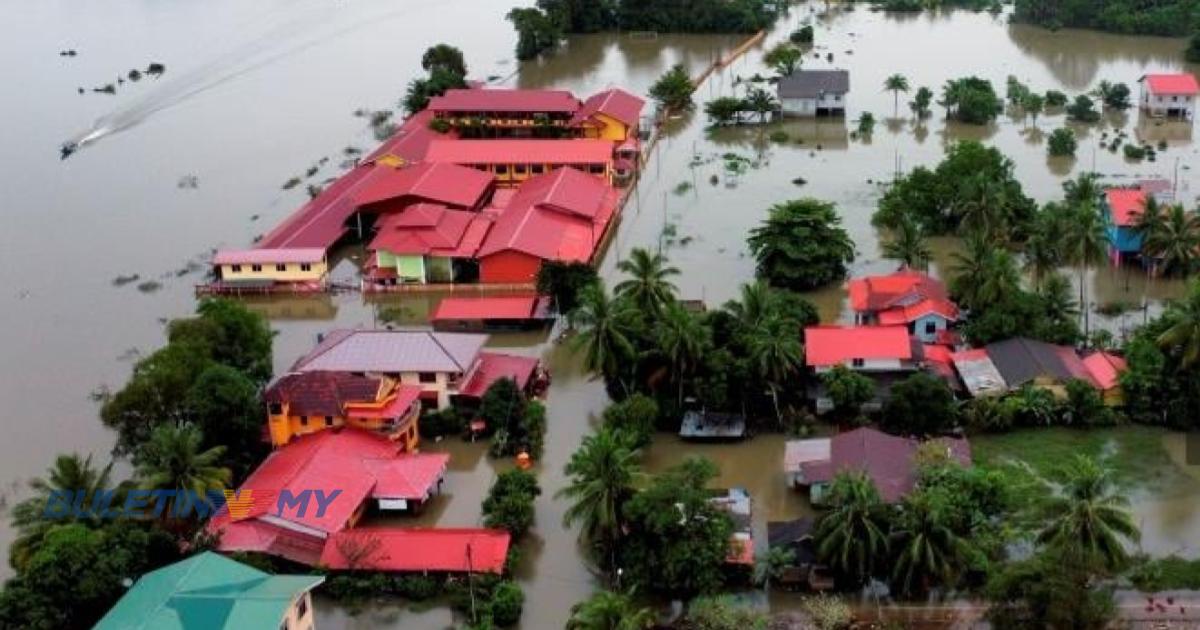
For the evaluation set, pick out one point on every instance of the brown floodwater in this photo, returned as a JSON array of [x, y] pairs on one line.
[[255, 93]]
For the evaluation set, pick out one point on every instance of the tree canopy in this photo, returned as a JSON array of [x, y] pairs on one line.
[[801, 246]]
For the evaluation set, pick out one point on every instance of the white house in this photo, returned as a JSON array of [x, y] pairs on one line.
[[885, 354], [1169, 95], [814, 92]]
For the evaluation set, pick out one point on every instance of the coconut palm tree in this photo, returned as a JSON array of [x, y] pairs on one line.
[[605, 327], [70, 474], [609, 610], [771, 566], [1057, 302], [896, 84], [756, 304], [1086, 244], [777, 356], [649, 286], [1043, 248], [852, 536], [683, 340], [1173, 244], [908, 244], [929, 552], [1088, 517], [1183, 337], [602, 475], [172, 459], [981, 206], [761, 102]]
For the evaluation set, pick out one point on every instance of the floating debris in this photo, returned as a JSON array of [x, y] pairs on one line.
[[135, 75], [67, 53], [313, 191], [121, 281], [291, 183], [799, 181], [254, 217], [188, 182], [150, 286], [108, 89], [156, 69], [682, 188]]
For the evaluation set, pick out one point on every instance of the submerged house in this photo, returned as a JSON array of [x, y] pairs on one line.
[[904, 298], [512, 161], [736, 502], [814, 92], [886, 354], [212, 592], [1121, 209], [1169, 95], [443, 366], [479, 314], [300, 403], [805, 570], [1009, 365], [886, 459], [298, 270]]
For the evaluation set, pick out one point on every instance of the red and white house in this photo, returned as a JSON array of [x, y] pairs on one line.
[[885, 354], [1169, 95], [904, 298]]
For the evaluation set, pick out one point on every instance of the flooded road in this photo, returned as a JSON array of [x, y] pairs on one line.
[[255, 93]]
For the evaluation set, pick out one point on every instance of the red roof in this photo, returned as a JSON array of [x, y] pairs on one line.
[[449, 184], [886, 459], [431, 229], [411, 477], [508, 101], [321, 393], [907, 314], [521, 151], [616, 103], [561, 215], [1105, 369], [399, 405], [419, 549], [269, 256], [508, 307], [262, 537], [1183, 83], [902, 288], [834, 345], [493, 367], [1125, 205], [350, 462]]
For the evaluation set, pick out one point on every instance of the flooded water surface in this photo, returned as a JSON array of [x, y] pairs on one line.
[[256, 93]]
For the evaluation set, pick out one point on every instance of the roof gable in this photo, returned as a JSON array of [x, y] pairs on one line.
[[393, 351], [503, 100], [833, 345], [1023, 360], [616, 103], [1182, 83], [814, 83]]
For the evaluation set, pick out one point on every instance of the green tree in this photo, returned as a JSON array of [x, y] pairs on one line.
[[564, 282], [605, 332], [536, 32], [509, 504], [971, 100], [1043, 252], [908, 245], [228, 333], [1051, 589], [673, 90], [866, 124], [1173, 243], [1182, 335], [422, 89], [444, 57], [848, 390], [896, 84], [648, 286], [69, 474], [503, 407], [602, 475], [1112, 95], [1054, 98], [173, 459], [1061, 142], [724, 110], [1089, 518], [801, 246], [507, 603], [852, 537], [635, 417], [770, 567], [784, 58], [225, 405], [777, 356], [1083, 237], [921, 102], [761, 102], [929, 552], [609, 610], [1083, 110], [1033, 105], [683, 341], [1192, 54], [921, 404], [153, 395]]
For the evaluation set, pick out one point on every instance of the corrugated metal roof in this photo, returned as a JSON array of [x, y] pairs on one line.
[[394, 351], [321, 393], [1125, 205], [493, 367], [616, 102], [833, 345], [1182, 83], [414, 549], [521, 151], [902, 288], [507, 307], [814, 83], [444, 183], [886, 459], [1023, 360], [561, 215], [509, 101], [269, 256]]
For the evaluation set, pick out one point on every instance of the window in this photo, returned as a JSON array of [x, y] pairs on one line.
[[502, 169], [537, 169], [520, 169], [857, 362], [837, 97], [596, 169], [281, 267], [930, 328], [427, 377], [305, 266], [235, 268], [255, 267], [275, 408], [328, 421], [303, 421]]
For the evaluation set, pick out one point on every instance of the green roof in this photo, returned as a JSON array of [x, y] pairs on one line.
[[207, 591]]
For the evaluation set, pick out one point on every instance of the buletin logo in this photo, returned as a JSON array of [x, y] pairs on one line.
[[240, 503]]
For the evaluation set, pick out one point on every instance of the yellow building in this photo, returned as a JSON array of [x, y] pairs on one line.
[[612, 115], [263, 268], [306, 402], [512, 160]]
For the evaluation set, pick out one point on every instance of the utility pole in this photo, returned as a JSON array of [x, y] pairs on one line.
[[471, 583]]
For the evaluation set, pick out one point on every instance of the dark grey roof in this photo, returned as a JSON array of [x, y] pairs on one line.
[[813, 83], [1022, 360]]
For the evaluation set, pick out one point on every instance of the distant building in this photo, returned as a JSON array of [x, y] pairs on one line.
[[444, 366], [300, 403], [1169, 95], [479, 314], [886, 354], [736, 503], [1011, 364], [1105, 369], [1121, 208], [906, 298], [814, 92], [886, 459], [213, 592], [297, 270]]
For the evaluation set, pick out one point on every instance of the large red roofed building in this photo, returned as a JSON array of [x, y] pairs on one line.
[[904, 298], [561, 216], [413, 550], [885, 354], [513, 160], [1169, 95]]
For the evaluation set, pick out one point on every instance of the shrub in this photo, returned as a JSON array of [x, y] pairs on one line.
[[826, 612], [802, 35], [435, 424], [635, 416], [1083, 109], [507, 603], [1054, 98], [921, 404], [1134, 152], [1062, 142], [419, 587], [866, 124], [440, 125], [509, 504], [780, 136]]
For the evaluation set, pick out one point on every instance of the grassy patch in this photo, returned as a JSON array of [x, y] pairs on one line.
[[1134, 453]]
